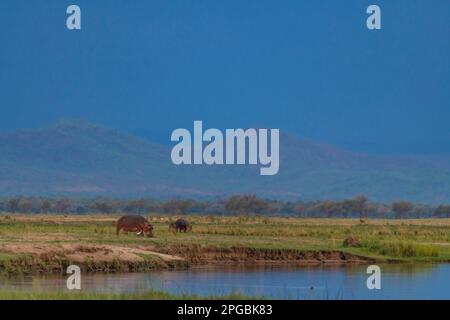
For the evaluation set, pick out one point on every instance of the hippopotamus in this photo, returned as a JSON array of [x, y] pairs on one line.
[[137, 224], [180, 225]]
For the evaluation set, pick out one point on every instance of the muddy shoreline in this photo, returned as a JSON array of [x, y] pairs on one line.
[[212, 255], [47, 259]]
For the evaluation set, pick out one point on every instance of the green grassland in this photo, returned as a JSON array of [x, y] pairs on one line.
[[30, 240]]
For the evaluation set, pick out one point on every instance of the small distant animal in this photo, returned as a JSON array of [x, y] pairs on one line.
[[134, 223], [361, 220], [181, 225]]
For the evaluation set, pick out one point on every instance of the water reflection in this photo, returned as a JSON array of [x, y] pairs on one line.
[[399, 281]]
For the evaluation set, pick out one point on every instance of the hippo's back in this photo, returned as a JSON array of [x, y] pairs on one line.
[[131, 220], [181, 223]]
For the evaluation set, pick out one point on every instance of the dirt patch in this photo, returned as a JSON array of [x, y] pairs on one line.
[[48, 258]]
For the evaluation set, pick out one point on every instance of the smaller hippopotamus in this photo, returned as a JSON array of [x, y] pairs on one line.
[[137, 224], [180, 225]]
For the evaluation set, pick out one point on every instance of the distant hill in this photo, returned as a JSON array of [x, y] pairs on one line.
[[83, 159]]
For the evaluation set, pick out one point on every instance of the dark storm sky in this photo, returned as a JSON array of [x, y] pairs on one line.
[[310, 68]]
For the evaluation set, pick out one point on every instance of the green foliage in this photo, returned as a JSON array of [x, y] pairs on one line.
[[402, 249], [247, 204]]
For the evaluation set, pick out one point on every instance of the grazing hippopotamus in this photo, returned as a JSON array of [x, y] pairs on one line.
[[180, 225], [137, 224]]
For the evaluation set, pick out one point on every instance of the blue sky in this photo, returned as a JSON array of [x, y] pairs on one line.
[[310, 68]]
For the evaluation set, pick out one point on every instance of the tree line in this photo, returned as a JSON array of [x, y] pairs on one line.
[[358, 206]]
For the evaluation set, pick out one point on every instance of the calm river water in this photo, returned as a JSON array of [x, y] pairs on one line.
[[398, 281]]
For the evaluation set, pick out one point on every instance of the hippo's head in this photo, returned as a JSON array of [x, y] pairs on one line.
[[148, 230]]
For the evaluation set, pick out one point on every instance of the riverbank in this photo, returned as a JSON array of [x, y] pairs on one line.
[[149, 295], [49, 243], [43, 259]]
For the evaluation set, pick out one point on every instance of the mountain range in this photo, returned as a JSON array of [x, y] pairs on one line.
[[77, 158]]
